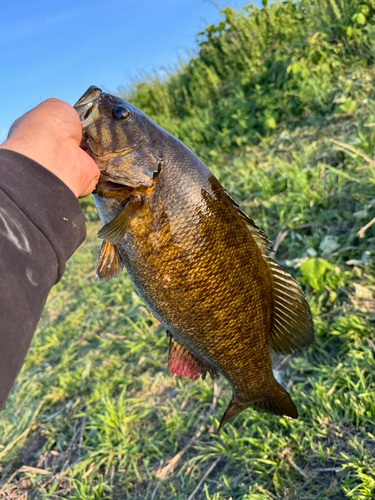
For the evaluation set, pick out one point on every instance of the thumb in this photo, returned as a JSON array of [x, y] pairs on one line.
[[89, 173]]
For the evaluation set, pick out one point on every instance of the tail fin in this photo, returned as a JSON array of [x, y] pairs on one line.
[[277, 402], [234, 408]]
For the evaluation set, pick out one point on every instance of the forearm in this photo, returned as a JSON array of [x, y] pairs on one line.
[[41, 225]]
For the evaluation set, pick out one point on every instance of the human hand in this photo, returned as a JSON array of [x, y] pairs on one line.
[[50, 134]]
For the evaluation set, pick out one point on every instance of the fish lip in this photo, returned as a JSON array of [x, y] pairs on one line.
[[105, 177], [124, 183], [87, 113], [120, 152], [91, 94], [87, 104], [84, 144], [87, 147]]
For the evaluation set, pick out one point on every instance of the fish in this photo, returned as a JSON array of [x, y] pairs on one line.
[[199, 263]]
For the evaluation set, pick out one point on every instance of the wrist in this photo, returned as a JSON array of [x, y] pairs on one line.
[[43, 155]]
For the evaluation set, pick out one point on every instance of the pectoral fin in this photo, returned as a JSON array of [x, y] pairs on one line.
[[114, 231], [109, 265]]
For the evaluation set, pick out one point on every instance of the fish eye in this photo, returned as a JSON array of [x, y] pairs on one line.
[[121, 113]]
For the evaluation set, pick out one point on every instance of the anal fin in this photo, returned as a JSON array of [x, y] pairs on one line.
[[109, 264]]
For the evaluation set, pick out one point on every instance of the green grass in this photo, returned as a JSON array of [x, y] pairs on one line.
[[95, 413]]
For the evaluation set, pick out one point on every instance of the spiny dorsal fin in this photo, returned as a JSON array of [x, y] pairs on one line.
[[181, 362], [260, 238], [292, 326], [115, 230], [108, 265]]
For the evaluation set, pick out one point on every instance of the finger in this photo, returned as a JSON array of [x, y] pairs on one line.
[[90, 173], [90, 188], [16, 124]]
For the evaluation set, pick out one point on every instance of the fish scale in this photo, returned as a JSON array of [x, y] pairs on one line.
[[196, 260]]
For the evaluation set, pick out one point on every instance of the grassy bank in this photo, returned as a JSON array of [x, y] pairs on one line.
[[95, 414]]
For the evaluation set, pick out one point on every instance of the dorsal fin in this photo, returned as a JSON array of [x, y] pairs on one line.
[[292, 326], [259, 236]]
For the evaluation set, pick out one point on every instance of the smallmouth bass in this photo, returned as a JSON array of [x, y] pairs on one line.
[[199, 263]]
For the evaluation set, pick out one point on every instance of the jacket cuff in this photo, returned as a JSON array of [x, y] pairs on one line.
[[46, 201]]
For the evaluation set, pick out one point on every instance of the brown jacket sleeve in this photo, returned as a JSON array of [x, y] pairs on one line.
[[41, 225]]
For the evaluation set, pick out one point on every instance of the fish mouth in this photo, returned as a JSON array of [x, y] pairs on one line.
[[114, 154], [87, 105], [110, 182], [87, 147]]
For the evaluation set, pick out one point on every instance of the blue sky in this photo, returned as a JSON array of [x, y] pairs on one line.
[[60, 48]]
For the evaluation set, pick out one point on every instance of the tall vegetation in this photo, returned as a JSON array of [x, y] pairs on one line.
[[261, 70]]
